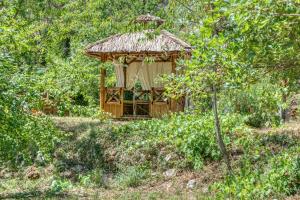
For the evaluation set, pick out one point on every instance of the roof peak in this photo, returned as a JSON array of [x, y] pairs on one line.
[[145, 19], [138, 43]]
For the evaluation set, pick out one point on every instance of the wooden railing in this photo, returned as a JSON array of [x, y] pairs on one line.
[[113, 95], [120, 102], [158, 96], [116, 95]]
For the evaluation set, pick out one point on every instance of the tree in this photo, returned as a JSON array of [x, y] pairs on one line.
[[212, 64], [269, 34], [236, 43]]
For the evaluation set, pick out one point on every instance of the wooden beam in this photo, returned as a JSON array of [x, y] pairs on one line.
[[110, 56], [102, 88]]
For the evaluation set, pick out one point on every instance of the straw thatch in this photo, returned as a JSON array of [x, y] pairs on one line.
[[149, 18], [145, 42]]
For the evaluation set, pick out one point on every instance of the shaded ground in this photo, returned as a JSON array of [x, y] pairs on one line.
[[157, 186]]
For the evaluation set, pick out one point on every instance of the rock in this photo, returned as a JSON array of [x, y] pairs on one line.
[[40, 160], [5, 173], [170, 173], [32, 173], [168, 157], [67, 174], [191, 184]]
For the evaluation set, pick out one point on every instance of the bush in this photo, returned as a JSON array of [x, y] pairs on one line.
[[60, 185], [260, 102], [192, 136], [93, 178], [278, 178], [25, 138], [88, 111]]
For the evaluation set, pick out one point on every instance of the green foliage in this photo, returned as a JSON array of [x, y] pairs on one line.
[[86, 150], [279, 177], [259, 102], [192, 135], [232, 49], [249, 50], [46, 40], [268, 166], [93, 178], [60, 185], [25, 139]]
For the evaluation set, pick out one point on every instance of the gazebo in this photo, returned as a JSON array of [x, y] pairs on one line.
[[139, 59]]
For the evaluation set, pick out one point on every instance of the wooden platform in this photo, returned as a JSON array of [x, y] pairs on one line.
[[131, 117]]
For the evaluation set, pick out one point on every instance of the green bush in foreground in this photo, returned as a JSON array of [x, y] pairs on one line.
[[25, 139], [193, 136], [279, 177]]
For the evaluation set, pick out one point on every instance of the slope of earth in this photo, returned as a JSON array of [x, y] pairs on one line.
[[94, 163]]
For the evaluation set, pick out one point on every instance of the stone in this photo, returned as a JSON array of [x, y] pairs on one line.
[[5, 173], [40, 160], [170, 173], [67, 174], [168, 157], [191, 184]]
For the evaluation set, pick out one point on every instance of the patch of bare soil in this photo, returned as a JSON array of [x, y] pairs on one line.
[[164, 188], [291, 128]]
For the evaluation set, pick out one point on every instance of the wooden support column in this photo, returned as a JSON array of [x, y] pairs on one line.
[[173, 103], [125, 72], [102, 88], [174, 65]]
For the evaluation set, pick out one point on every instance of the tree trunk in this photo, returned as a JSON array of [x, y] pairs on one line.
[[283, 110], [218, 130]]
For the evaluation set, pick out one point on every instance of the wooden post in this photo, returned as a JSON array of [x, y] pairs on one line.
[[173, 103], [124, 72], [102, 88], [174, 65]]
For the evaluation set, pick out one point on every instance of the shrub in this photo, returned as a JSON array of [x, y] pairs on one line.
[[93, 178], [25, 138], [278, 178], [260, 102], [60, 185], [132, 176], [192, 136], [88, 111]]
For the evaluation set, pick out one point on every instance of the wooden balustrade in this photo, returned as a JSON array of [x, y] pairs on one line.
[[152, 103]]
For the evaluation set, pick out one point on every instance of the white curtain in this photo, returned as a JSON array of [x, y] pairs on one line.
[[147, 74], [132, 74], [119, 73]]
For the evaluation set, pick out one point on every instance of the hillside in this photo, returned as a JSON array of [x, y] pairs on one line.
[[93, 161], [150, 99]]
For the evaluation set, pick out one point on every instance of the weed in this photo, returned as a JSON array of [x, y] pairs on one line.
[[132, 176]]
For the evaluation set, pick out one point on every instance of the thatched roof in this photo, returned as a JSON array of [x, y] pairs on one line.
[[138, 43]]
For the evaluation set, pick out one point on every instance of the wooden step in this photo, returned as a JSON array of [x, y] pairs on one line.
[[132, 117]]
